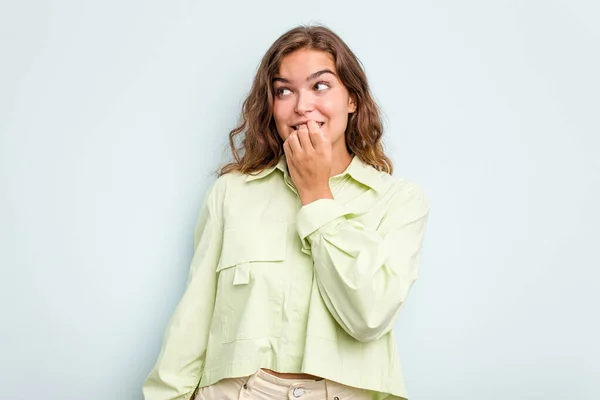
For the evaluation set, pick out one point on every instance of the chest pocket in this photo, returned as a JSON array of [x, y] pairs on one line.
[[251, 280]]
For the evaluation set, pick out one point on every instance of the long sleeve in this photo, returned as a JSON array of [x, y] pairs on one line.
[[178, 369], [364, 274]]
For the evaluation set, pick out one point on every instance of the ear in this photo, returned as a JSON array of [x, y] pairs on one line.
[[351, 104]]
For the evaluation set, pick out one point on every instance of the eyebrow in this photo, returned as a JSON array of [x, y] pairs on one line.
[[311, 77]]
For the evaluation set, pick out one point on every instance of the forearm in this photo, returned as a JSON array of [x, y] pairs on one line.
[[363, 274]]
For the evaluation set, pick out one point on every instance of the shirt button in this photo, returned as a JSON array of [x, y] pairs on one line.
[[298, 392]]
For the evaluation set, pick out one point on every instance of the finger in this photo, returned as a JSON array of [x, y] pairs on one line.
[[302, 130], [287, 145], [319, 140], [313, 126], [294, 144], [287, 149], [295, 132], [304, 138], [315, 132]]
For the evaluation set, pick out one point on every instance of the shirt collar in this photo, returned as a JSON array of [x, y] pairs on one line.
[[281, 165], [365, 174], [357, 169]]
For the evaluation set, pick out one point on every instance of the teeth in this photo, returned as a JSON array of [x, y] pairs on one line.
[[298, 126]]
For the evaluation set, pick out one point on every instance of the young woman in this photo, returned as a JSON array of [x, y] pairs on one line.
[[306, 246]]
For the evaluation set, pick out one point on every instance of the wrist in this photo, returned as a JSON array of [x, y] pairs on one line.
[[310, 196]]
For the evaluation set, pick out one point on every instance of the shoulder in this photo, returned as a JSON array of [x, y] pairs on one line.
[[397, 184], [224, 183], [406, 187], [384, 184], [227, 190], [217, 189], [405, 193]]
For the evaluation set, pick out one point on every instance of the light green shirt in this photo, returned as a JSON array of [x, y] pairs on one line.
[[313, 289]]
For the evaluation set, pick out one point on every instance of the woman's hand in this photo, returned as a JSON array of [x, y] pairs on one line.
[[309, 158]]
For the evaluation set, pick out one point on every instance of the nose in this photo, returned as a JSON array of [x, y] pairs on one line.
[[304, 102]]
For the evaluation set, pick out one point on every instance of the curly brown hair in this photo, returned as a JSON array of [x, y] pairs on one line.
[[262, 146]]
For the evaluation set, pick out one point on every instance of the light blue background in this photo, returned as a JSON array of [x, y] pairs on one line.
[[114, 114]]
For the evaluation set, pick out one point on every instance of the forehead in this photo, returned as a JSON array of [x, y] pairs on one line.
[[297, 66]]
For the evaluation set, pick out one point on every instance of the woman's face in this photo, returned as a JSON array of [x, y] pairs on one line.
[[307, 88]]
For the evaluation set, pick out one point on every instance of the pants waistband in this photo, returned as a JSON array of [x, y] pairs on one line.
[[280, 387], [263, 385]]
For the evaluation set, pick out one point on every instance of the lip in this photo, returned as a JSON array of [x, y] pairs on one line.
[[305, 122]]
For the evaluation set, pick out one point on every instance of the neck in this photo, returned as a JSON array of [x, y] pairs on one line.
[[341, 160]]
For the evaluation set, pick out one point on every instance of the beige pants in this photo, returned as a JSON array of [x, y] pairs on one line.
[[264, 386]]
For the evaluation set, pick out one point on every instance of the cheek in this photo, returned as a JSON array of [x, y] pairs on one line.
[[326, 107], [280, 119], [334, 109], [277, 113], [336, 113]]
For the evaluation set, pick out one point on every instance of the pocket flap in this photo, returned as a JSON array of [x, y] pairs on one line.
[[244, 243]]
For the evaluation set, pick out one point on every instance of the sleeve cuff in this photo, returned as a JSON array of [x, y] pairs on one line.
[[316, 214]]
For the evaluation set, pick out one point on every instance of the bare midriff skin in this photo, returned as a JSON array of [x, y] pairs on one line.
[[291, 375]]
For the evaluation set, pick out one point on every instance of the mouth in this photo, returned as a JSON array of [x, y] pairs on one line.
[[296, 127]]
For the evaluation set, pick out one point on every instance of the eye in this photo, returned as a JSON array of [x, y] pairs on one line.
[[279, 91], [322, 83]]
